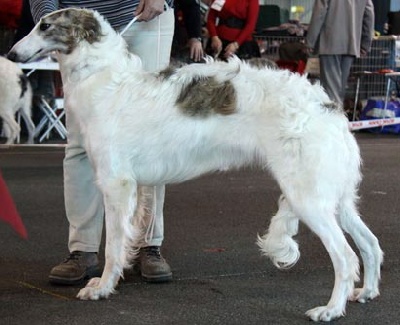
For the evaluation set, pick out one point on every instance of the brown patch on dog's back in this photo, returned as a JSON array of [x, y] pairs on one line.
[[205, 96]]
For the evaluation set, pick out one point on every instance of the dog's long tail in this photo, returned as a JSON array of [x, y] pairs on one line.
[[226, 71], [278, 243]]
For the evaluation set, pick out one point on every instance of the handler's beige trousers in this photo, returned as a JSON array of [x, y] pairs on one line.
[[83, 201]]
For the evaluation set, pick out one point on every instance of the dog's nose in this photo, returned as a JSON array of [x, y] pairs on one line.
[[12, 56]]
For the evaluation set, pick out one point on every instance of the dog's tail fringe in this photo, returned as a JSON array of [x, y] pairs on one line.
[[283, 252], [278, 243]]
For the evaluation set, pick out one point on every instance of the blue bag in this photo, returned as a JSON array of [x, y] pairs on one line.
[[374, 109]]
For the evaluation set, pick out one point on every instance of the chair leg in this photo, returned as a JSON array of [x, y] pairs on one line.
[[52, 120], [356, 98]]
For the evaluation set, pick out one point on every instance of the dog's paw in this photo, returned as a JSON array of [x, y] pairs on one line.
[[363, 295], [93, 282], [324, 314], [95, 291], [89, 293]]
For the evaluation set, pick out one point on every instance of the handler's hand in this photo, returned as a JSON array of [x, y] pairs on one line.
[[230, 49], [216, 45], [149, 9], [196, 49]]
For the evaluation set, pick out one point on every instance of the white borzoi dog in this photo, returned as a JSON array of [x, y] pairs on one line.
[[146, 129], [15, 96]]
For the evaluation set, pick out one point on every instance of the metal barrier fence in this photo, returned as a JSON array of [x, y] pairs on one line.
[[384, 55], [269, 45]]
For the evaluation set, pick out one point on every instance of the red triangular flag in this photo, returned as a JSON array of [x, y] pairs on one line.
[[8, 211]]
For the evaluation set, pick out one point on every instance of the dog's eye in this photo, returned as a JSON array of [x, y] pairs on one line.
[[44, 26]]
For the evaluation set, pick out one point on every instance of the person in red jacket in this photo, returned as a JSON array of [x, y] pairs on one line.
[[230, 25], [10, 11]]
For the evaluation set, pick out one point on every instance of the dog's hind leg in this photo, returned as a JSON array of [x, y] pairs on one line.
[[278, 243], [25, 113], [367, 243], [13, 127], [318, 213], [120, 200]]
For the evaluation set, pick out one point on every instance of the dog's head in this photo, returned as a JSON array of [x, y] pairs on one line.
[[62, 31]]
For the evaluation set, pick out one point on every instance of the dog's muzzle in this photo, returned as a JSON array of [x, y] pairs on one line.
[[12, 56]]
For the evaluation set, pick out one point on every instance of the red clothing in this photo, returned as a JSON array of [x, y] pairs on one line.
[[242, 9], [8, 211], [10, 12]]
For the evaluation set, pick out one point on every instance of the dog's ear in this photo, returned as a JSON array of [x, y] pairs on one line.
[[85, 26]]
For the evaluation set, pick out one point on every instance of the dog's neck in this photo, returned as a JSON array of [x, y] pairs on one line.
[[74, 71], [87, 60]]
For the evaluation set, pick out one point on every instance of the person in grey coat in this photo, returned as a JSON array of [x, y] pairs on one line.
[[339, 31]]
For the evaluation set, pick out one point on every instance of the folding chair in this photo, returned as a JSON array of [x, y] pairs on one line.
[[52, 119]]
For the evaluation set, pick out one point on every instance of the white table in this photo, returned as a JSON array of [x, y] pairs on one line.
[[44, 64]]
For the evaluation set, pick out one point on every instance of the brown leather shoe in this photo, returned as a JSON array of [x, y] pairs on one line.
[[153, 267], [76, 268]]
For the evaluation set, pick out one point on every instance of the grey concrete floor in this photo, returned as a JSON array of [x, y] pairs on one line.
[[210, 231]]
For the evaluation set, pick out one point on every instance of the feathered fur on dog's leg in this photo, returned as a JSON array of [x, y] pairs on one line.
[[368, 245], [145, 214], [319, 215], [278, 243], [120, 199]]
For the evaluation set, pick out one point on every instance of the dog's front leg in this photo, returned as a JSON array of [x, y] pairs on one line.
[[120, 198]]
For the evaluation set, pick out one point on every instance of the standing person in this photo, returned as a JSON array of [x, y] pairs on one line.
[[233, 34], [150, 38], [189, 11], [339, 31]]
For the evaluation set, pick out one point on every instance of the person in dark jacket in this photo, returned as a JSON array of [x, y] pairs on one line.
[[188, 27]]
